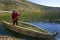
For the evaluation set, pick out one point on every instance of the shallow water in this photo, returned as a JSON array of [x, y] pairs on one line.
[[51, 27]]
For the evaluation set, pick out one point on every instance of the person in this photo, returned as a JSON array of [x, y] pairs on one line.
[[15, 15]]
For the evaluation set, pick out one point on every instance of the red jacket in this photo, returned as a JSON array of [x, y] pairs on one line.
[[15, 16]]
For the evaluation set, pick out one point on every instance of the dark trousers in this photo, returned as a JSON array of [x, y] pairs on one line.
[[15, 22]]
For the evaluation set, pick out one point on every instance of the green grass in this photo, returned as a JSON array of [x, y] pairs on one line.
[[5, 16], [30, 16], [22, 16]]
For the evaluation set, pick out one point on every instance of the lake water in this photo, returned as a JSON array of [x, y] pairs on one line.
[[51, 27]]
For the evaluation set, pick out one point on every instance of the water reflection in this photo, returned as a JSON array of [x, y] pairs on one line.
[[51, 27]]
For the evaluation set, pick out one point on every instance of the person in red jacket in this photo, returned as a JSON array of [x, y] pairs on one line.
[[15, 15]]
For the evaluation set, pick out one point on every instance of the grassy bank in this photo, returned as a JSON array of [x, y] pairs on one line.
[[25, 16], [4, 16], [30, 16]]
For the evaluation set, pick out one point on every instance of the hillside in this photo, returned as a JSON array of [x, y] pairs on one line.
[[20, 4], [40, 12]]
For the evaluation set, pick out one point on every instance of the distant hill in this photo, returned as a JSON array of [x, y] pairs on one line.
[[20, 4], [26, 6]]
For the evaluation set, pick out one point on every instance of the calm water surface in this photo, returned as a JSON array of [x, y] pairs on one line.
[[51, 27]]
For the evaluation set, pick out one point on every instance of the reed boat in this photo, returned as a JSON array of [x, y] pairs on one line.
[[28, 29]]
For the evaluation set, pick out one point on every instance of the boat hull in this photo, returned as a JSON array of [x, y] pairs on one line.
[[26, 31]]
